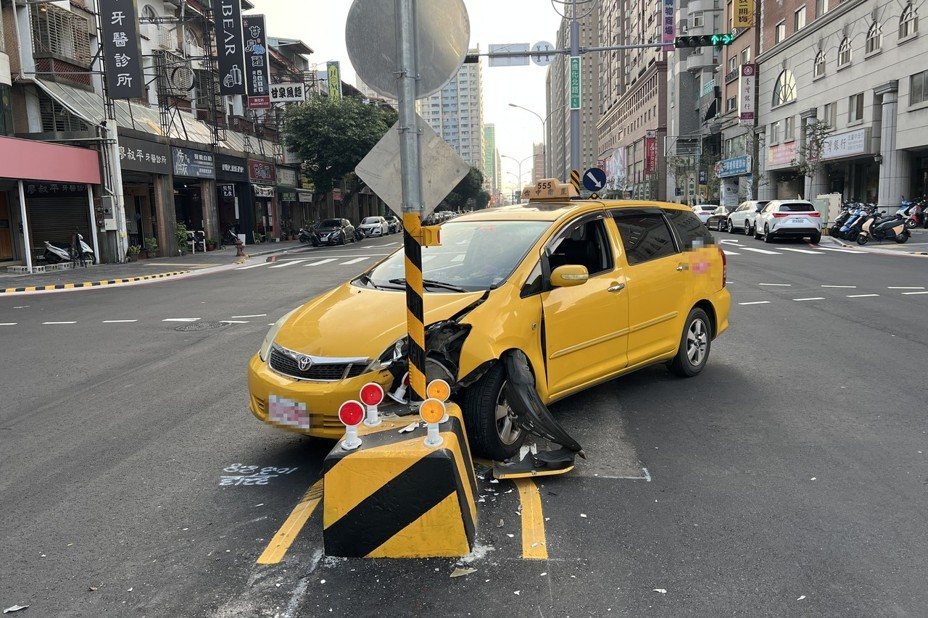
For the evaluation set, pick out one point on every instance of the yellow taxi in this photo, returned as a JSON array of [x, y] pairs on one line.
[[588, 290]]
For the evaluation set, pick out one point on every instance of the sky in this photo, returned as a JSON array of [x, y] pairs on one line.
[[321, 25]]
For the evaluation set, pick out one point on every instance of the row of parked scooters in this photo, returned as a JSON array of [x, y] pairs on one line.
[[863, 222]]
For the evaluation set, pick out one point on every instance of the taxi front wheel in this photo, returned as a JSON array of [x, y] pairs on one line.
[[695, 343], [490, 421]]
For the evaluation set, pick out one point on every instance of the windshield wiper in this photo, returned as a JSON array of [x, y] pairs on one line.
[[432, 283], [367, 281]]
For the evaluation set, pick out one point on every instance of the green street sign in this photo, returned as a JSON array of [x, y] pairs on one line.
[[575, 82]]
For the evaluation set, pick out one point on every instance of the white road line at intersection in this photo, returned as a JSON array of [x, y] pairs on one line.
[[779, 285], [861, 295], [254, 315], [731, 253], [905, 287], [799, 300], [7, 323], [841, 250], [325, 261], [288, 263], [233, 321], [764, 251], [180, 319], [843, 287], [119, 321], [354, 261], [258, 265], [911, 293], [756, 302], [59, 323], [807, 251]]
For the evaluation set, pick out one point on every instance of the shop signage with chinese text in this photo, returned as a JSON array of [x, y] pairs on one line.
[[736, 166], [746, 85], [847, 144], [257, 71], [286, 176], [650, 152], [139, 155], [192, 163], [231, 168], [782, 155], [230, 45], [287, 93], [54, 189], [262, 172], [122, 58]]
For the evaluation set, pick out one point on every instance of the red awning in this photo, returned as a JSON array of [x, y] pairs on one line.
[[26, 159]]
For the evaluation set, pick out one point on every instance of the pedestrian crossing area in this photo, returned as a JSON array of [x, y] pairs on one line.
[[306, 262], [738, 249]]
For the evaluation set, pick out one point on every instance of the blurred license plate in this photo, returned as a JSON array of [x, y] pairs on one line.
[[284, 411], [798, 220]]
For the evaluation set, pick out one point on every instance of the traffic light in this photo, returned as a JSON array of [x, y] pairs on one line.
[[472, 59], [705, 40]]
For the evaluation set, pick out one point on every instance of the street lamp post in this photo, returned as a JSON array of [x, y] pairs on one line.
[[544, 130], [519, 163]]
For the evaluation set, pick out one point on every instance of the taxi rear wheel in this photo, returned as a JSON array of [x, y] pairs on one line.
[[489, 418], [695, 344]]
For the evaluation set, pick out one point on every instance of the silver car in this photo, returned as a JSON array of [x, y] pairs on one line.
[[742, 218]]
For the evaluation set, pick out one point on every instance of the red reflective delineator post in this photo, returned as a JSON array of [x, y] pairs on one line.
[[372, 396], [351, 413]]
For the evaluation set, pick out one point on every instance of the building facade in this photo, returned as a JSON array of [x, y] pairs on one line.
[[857, 71], [538, 162], [491, 171]]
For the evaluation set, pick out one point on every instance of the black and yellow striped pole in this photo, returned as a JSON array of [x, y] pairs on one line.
[[575, 180], [415, 313]]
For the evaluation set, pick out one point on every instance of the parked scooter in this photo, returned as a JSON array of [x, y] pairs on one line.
[[58, 252], [310, 236], [55, 253], [883, 228], [916, 215]]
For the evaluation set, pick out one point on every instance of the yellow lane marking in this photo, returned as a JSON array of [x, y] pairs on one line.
[[275, 550], [534, 544]]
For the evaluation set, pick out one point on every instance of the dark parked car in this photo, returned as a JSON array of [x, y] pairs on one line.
[[336, 232], [718, 219]]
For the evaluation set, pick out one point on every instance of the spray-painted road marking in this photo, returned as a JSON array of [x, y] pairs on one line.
[[843, 287], [910, 293], [254, 315], [59, 322], [764, 251], [275, 550], [841, 250], [288, 263], [258, 265], [354, 261], [180, 319], [780, 285], [756, 302], [119, 321], [320, 262], [534, 543], [905, 287], [799, 300], [861, 295], [806, 251]]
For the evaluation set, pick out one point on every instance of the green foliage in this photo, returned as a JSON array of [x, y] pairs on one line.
[[470, 187], [180, 235], [332, 136], [132, 253], [151, 246]]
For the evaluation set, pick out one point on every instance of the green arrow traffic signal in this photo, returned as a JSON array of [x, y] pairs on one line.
[[706, 40]]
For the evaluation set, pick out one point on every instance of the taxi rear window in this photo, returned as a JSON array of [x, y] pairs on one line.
[[691, 231]]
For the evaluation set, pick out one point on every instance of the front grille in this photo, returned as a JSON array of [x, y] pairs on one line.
[[285, 364]]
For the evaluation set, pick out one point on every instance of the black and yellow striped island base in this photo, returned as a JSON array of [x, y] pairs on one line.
[[395, 497]]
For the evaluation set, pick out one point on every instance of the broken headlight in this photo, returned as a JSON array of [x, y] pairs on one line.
[[393, 353]]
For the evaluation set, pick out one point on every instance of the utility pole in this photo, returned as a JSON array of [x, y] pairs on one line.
[[575, 113]]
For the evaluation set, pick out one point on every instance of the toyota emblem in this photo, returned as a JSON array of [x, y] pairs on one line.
[[304, 362]]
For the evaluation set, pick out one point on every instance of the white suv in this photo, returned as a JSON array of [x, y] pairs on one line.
[[741, 219], [788, 218], [374, 226], [703, 211]]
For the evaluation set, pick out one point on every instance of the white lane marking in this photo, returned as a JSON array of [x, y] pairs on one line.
[[725, 241], [803, 251], [428, 258], [780, 285], [756, 302], [233, 321], [7, 323], [326, 261], [180, 319], [799, 300], [861, 295], [459, 258], [906, 287], [59, 322], [841, 250], [731, 253], [119, 321], [254, 315], [764, 251], [910, 293], [354, 261], [390, 244], [848, 287], [288, 263], [258, 265]]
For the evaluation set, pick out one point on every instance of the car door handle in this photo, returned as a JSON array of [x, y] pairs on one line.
[[616, 287], [683, 267]]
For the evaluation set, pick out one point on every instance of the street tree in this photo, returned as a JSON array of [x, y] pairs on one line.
[[332, 136], [470, 188]]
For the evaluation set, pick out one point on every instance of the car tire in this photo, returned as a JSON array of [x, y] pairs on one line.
[[481, 407], [768, 237], [695, 344], [343, 239], [747, 228], [756, 235], [815, 238]]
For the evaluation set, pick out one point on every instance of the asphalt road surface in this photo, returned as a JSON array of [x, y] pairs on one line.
[[791, 477]]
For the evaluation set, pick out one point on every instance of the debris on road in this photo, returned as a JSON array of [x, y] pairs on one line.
[[801, 598], [19, 608], [661, 590], [500, 524], [583, 515], [459, 572]]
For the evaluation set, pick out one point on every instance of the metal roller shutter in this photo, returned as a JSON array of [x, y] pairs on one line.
[[55, 219]]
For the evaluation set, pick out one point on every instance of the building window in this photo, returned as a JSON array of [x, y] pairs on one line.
[[55, 118], [784, 91], [60, 33], [819, 69], [844, 53], [731, 104], [918, 88], [732, 63], [780, 32], [821, 7], [745, 55], [697, 20], [830, 115], [789, 129], [775, 132], [855, 107], [799, 19], [908, 23], [874, 38]]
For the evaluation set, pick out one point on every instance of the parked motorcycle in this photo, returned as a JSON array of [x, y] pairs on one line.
[[916, 215], [309, 236], [80, 251], [55, 253], [878, 228]]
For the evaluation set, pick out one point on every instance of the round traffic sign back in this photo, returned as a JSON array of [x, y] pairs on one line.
[[442, 37], [594, 179]]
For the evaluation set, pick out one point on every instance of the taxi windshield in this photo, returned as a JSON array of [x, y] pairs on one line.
[[473, 255]]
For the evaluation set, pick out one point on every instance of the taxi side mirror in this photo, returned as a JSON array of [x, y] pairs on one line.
[[569, 275]]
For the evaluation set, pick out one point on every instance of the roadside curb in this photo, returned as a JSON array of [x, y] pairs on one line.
[[875, 250], [91, 284]]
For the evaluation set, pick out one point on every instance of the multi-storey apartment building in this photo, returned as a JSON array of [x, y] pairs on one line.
[[456, 113], [538, 162], [491, 171]]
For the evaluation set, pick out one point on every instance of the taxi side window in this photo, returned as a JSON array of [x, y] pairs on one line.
[[584, 244], [690, 230], [645, 236]]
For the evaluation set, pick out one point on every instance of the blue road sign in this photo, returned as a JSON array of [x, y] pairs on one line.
[[594, 179]]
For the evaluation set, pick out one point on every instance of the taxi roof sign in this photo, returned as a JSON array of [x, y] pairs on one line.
[[550, 189]]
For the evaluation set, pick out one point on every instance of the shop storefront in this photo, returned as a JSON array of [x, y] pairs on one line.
[[784, 181], [194, 190], [263, 177], [735, 180], [849, 165], [290, 216], [236, 208], [146, 169], [919, 175], [46, 193], [305, 199]]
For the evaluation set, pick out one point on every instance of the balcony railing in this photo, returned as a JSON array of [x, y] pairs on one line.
[[60, 34], [732, 75]]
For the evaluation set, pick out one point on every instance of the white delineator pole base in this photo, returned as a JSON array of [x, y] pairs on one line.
[[433, 436], [351, 441], [372, 418]]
